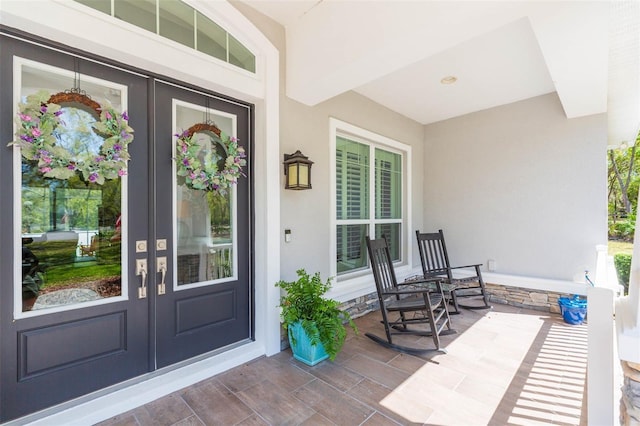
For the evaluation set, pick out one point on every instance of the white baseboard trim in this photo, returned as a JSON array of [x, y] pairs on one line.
[[534, 283]]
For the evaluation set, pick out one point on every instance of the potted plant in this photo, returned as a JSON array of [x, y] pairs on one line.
[[314, 324]]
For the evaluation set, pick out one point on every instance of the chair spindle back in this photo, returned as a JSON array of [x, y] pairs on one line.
[[381, 264], [433, 254]]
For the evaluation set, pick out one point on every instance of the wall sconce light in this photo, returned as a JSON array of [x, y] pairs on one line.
[[297, 170]]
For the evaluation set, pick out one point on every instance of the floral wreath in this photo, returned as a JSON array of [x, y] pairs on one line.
[[38, 120], [201, 172]]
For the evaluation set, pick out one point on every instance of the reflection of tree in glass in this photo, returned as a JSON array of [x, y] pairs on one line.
[[220, 208], [210, 143], [77, 135], [35, 209]]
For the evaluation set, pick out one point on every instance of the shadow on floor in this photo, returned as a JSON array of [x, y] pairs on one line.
[[550, 385], [504, 366]]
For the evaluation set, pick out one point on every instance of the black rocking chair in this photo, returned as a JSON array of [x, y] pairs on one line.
[[415, 302], [435, 264]]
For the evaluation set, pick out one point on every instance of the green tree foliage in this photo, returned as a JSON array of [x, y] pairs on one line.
[[622, 262], [220, 208], [623, 182]]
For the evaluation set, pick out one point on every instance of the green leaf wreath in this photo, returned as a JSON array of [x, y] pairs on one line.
[[37, 121], [200, 169]]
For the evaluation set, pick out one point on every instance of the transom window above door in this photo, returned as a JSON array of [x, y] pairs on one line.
[[179, 22]]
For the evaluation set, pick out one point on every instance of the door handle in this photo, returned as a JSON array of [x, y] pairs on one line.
[[161, 266], [141, 269]]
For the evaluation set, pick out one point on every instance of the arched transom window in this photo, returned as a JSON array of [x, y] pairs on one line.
[[179, 22]]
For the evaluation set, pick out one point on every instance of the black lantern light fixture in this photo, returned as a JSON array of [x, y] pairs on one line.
[[297, 171]]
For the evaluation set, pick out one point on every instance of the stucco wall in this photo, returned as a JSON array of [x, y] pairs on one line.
[[307, 213], [520, 184]]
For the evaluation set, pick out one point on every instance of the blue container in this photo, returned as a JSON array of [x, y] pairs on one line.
[[302, 348], [573, 310]]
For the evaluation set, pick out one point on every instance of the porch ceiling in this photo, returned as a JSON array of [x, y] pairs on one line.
[[397, 52]]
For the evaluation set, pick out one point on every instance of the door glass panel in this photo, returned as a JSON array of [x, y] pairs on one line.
[[204, 220], [71, 230]]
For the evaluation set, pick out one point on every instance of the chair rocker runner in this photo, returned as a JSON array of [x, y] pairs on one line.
[[414, 302], [435, 265]]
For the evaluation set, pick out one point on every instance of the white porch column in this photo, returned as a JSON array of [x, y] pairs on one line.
[[601, 406], [628, 334], [624, 56]]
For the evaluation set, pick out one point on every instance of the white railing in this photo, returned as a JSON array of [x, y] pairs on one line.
[[603, 362], [628, 309], [602, 406]]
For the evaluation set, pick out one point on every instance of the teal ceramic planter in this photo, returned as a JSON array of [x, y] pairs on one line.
[[303, 350]]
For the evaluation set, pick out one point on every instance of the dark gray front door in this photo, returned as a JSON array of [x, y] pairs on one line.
[[73, 317], [70, 318], [207, 300]]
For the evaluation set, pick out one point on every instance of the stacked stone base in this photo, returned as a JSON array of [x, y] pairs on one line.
[[361, 305], [538, 300], [630, 401]]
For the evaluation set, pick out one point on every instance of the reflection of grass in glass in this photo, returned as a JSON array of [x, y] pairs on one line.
[[59, 261], [54, 253], [71, 274], [108, 252]]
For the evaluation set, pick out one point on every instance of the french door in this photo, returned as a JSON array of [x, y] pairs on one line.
[[106, 282], [206, 300]]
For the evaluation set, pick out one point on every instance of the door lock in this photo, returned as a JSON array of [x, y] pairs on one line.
[[161, 266], [141, 246], [141, 269]]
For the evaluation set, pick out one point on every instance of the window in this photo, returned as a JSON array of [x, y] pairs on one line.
[[368, 197], [179, 22]]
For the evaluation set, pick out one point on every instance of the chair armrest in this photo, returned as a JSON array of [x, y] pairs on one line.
[[467, 266], [436, 283], [420, 279], [409, 291]]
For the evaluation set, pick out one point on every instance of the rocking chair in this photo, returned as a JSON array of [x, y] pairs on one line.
[[435, 265], [89, 249], [414, 302]]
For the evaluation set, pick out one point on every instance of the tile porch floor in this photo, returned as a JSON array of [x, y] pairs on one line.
[[504, 366]]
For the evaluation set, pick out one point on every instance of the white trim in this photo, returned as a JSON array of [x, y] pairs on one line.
[[359, 282], [603, 377], [363, 284], [535, 283], [135, 46]]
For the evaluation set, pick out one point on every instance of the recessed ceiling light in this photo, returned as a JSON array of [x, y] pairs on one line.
[[450, 79]]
